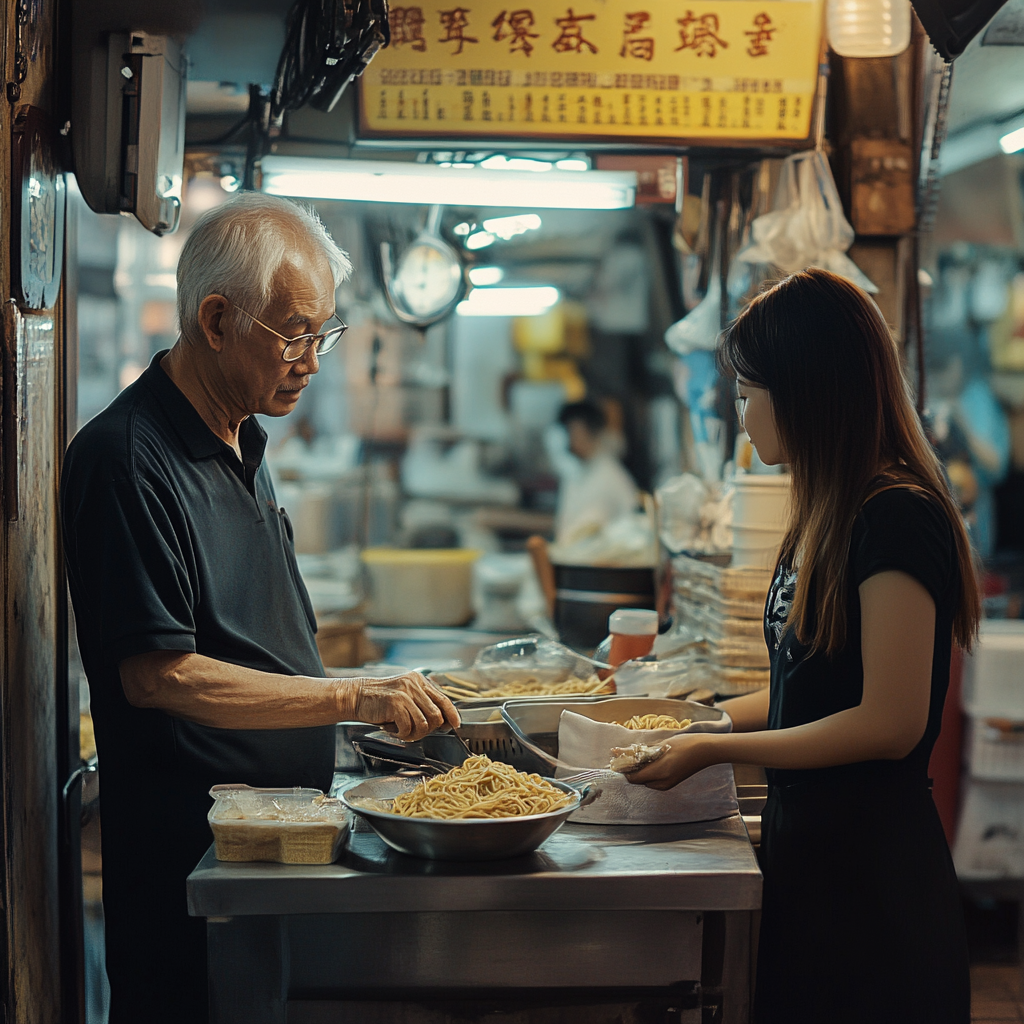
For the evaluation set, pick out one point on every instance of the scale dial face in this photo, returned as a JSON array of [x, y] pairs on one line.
[[427, 279]]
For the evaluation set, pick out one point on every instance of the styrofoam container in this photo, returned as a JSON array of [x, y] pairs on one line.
[[419, 587], [756, 547], [994, 754], [761, 501], [990, 835], [994, 671]]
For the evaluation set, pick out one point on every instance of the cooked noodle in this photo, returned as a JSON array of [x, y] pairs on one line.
[[654, 722], [481, 788], [530, 686], [534, 687]]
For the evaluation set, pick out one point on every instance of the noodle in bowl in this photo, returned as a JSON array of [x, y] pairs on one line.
[[483, 789], [462, 838]]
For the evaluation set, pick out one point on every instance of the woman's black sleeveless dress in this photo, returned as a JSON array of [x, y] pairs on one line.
[[861, 921]]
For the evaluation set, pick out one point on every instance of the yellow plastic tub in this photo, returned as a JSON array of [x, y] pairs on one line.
[[420, 586]]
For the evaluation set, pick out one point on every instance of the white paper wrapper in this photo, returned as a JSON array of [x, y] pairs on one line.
[[584, 743]]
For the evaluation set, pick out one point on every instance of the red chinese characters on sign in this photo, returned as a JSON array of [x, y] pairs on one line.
[[570, 38], [761, 36], [515, 25], [700, 34], [406, 25], [633, 44], [454, 23]]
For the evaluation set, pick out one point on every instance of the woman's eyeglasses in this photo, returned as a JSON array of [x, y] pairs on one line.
[[741, 401], [296, 348], [741, 408]]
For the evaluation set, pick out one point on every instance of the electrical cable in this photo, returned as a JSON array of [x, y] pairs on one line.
[[327, 44]]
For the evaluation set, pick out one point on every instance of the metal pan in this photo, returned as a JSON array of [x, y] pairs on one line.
[[535, 725]]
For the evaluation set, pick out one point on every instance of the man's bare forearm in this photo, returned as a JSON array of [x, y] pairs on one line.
[[226, 696]]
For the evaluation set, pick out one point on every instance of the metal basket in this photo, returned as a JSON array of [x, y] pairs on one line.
[[497, 741]]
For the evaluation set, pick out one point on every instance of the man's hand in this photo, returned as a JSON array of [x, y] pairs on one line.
[[409, 703]]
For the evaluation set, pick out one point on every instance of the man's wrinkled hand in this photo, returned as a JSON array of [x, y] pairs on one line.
[[408, 705]]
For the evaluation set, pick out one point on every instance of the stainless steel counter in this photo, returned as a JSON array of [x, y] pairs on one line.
[[706, 866], [663, 912]]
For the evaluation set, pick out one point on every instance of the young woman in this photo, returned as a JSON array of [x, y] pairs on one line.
[[861, 913]]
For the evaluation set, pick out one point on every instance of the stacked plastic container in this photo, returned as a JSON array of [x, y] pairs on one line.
[[990, 836], [726, 607]]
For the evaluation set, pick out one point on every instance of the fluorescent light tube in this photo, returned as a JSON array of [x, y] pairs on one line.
[[509, 227], [485, 275], [508, 301], [398, 182], [1012, 141]]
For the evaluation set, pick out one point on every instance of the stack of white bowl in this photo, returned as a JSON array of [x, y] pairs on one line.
[[760, 513]]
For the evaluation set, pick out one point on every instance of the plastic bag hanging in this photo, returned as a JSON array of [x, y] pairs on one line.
[[807, 228]]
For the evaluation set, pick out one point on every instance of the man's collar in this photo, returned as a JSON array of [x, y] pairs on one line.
[[200, 440]]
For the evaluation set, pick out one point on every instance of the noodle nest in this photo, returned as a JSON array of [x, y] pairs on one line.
[[654, 722], [481, 788]]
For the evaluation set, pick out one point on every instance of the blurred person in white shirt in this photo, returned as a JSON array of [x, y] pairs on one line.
[[598, 490]]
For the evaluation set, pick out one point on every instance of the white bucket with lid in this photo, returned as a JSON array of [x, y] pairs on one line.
[[755, 547], [761, 501]]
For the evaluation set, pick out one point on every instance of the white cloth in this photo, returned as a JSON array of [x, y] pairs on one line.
[[584, 743], [602, 493]]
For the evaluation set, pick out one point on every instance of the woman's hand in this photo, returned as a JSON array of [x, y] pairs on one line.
[[686, 756]]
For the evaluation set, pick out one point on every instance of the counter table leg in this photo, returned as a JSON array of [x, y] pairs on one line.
[[248, 970]]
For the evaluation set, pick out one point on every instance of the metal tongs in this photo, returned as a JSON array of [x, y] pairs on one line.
[[423, 765]]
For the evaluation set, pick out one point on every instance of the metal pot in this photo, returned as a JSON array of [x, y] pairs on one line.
[[586, 595]]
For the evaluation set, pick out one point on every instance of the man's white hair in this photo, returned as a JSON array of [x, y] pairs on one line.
[[236, 250]]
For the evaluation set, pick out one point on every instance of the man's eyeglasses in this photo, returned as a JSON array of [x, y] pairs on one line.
[[296, 348]]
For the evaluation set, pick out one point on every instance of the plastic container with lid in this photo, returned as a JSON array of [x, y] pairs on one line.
[[633, 632], [287, 826]]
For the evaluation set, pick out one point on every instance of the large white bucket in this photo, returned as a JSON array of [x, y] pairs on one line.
[[755, 547], [761, 501]]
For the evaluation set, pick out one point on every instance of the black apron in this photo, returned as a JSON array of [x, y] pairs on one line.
[[861, 921]]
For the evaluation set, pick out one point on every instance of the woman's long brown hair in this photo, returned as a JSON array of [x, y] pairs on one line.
[[844, 414]]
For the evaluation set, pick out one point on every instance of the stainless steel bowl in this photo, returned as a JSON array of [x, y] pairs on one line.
[[475, 839]]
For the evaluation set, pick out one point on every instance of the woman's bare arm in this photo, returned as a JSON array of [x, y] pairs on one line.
[[749, 712], [897, 640], [226, 696]]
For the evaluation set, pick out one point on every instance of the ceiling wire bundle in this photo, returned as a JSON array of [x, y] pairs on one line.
[[327, 44]]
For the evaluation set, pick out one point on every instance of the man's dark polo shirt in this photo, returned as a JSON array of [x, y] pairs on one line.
[[173, 544]]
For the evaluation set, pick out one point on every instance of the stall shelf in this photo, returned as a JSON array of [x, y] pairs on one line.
[[599, 919]]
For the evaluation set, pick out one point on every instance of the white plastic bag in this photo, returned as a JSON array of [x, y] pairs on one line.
[[666, 679], [584, 743], [694, 515], [807, 227]]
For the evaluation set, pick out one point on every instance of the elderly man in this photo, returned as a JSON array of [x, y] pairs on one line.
[[195, 628]]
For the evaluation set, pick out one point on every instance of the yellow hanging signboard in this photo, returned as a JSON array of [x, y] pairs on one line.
[[598, 70]]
